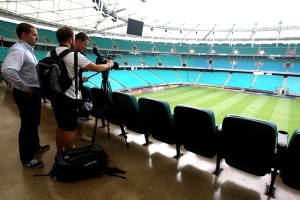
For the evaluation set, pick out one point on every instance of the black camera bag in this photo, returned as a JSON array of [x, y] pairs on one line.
[[76, 164], [82, 163]]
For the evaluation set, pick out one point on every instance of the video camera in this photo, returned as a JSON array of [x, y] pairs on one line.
[[102, 59]]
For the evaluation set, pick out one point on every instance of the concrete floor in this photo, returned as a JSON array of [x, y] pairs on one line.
[[152, 173]]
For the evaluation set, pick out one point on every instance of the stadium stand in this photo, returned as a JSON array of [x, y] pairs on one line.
[[222, 48], [293, 85], [144, 46], [213, 78], [164, 47], [295, 68], [203, 63], [149, 77], [150, 60], [182, 48], [274, 81], [187, 76], [123, 44], [274, 66], [247, 49], [132, 60], [222, 64], [8, 30], [127, 79], [102, 43], [240, 80], [169, 76], [274, 49], [245, 65], [170, 60]]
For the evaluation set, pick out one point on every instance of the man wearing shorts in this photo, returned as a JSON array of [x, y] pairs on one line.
[[65, 104]]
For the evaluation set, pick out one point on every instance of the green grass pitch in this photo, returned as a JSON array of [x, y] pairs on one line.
[[284, 112]]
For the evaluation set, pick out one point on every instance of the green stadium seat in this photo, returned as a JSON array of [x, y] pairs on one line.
[[290, 173], [249, 145], [129, 112], [157, 119], [196, 130], [103, 108]]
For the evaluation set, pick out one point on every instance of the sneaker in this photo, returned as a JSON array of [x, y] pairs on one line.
[[84, 137], [34, 163], [42, 148]]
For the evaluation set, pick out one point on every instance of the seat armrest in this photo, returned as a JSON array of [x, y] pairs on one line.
[[281, 149], [282, 138]]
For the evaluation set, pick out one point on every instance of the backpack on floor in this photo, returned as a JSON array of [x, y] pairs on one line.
[[82, 163], [52, 73]]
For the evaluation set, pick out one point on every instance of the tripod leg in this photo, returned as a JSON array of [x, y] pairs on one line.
[[94, 130]]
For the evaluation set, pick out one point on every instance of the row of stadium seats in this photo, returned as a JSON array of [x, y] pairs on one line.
[[250, 145], [125, 79], [268, 65], [48, 37]]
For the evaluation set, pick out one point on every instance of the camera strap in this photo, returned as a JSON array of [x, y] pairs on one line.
[[76, 72]]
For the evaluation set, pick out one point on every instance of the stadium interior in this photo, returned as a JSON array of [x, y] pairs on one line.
[[160, 162]]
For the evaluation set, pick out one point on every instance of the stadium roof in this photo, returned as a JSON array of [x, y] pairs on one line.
[[191, 21]]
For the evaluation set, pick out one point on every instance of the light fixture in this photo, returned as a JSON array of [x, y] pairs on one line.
[[151, 28], [166, 30]]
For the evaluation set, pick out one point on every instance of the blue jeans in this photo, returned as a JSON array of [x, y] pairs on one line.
[[30, 113]]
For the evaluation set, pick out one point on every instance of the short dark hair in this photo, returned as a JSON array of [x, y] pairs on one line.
[[23, 28], [64, 33], [82, 36]]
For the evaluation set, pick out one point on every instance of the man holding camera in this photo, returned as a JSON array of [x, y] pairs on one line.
[[65, 105]]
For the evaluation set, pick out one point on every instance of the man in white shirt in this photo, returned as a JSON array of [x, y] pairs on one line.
[[65, 105], [19, 69]]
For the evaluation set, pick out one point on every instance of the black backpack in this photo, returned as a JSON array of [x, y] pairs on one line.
[[52, 73], [82, 163]]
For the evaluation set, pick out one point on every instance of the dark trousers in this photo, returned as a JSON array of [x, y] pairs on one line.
[[30, 113]]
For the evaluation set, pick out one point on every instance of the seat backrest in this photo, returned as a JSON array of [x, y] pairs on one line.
[[86, 92], [128, 110], [248, 144], [196, 129], [103, 105], [99, 100], [290, 172], [158, 119]]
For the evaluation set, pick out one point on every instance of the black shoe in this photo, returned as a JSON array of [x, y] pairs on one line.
[[34, 163], [42, 148]]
